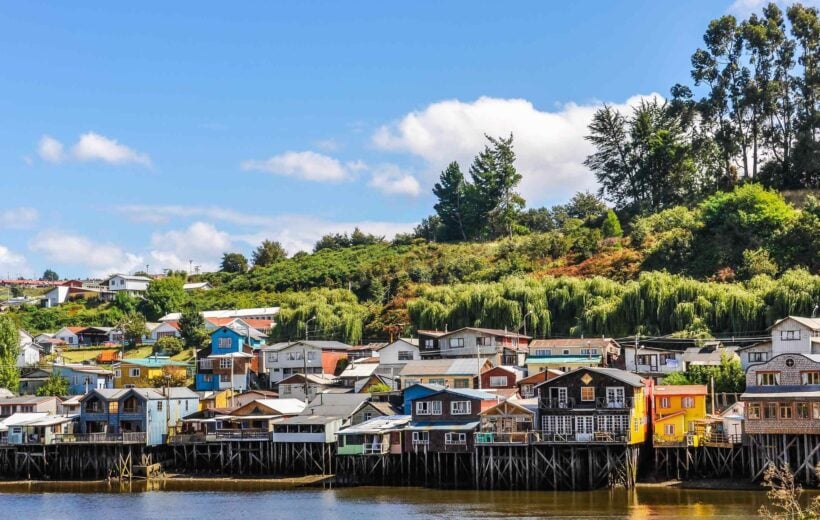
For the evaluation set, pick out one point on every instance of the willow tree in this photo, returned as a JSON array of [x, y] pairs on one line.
[[9, 350]]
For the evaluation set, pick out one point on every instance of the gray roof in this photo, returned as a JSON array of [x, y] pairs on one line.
[[441, 367], [615, 373], [174, 392], [334, 405], [26, 399], [378, 425], [811, 323], [324, 345]]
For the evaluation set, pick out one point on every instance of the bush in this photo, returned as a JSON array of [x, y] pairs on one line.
[[169, 345]]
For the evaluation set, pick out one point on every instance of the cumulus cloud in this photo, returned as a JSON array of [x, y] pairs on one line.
[[305, 165], [549, 145], [50, 149], [391, 180], [91, 146], [201, 243], [13, 264], [294, 232], [101, 259], [18, 218]]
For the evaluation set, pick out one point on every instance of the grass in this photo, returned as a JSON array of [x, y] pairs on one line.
[[79, 355]]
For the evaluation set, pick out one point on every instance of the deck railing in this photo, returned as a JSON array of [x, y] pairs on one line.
[[584, 438], [502, 438], [614, 404], [187, 438], [557, 404], [673, 440], [242, 435], [101, 438]]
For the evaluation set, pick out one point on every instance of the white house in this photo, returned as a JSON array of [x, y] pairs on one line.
[[161, 330], [29, 351], [132, 285], [790, 335], [197, 286], [69, 335], [282, 360], [56, 296], [393, 356], [653, 362]]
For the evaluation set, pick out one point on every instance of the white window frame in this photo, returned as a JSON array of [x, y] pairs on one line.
[[224, 342], [456, 343], [133, 372], [460, 407], [669, 429], [455, 438], [613, 393], [688, 402], [224, 363], [664, 402], [498, 381], [542, 352], [421, 438]]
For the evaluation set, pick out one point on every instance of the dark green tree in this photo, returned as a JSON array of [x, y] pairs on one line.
[[452, 204], [164, 295], [234, 263], [133, 329], [611, 226], [56, 385], [192, 327], [268, 253], [50, 276]]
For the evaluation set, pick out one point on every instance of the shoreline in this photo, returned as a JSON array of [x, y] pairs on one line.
[[319, 480]]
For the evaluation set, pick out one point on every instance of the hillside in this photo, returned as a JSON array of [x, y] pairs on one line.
[[732, 264]]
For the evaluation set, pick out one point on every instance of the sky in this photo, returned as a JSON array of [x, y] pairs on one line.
[[158, 135]]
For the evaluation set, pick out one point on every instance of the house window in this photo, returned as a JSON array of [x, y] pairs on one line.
[[225, 363], [311, 355], [405, 355], [688, 402], [754, 411], [588, 393], [294, 356], [456, 342], [643, 359], [811, 378], [207, 378], [789, 335], [285, 389], [429, 343], [440, 382], [159, 406], [368, 416], [460, 407], [669, 429], [484, 342], [498, 381], [801, 410], [134, 372], [557, 424], [224, 343], [664, 359], [566, 352], [421, 437], [768, 378], [770, 410], [589, 351], [664, 402], [428, 407], [435, 407], [785, 411], [273, 357], [542, 352], [758, 357], [117, 373], [455, 438], [615, 396]]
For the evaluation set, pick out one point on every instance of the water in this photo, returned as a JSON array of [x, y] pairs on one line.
[[199, 500]]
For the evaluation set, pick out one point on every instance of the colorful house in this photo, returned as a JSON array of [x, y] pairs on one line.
[[675, 411], [230, 361], [378, 436], [138, 373], [450, 373], [593, 404], [508, 422]]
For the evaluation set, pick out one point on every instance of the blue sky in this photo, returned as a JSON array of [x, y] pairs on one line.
[[159, 135]]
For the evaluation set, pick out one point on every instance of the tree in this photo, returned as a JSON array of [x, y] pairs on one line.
[[611, 226], [192, 327], [133, 329], [50, 276], [169, 378], [268, 252], [125, 302], [9, 351], [360, 238], [585, 206], [785, 495], [494, 205], [234, 263], [729, 376], [56, 385], [332, 241], [169, 345], [164, 295], [378, 387], [452, 205]]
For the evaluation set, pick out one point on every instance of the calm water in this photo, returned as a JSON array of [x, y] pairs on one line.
[[197, 500]]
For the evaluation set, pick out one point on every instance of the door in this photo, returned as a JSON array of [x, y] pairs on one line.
[[615, 397], [584, 429], [558, 396], [653, 363]]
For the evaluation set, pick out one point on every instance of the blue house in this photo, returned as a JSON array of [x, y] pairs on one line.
[[417, 391], [84, 378], [134, 415], [230, 360]]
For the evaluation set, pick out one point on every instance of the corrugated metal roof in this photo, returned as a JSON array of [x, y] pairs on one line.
[[437, 367]]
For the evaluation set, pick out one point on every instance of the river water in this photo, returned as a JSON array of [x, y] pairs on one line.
[[176, 500]]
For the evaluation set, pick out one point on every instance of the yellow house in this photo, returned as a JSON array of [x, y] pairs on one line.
[[676, 408], [449, 373], [215, 399], [148, 372]]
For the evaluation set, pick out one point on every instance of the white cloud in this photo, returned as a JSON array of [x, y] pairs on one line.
[[18, 218], [13, 264], [101, 259], [328, 145], [50, 149], [91, 147], [391, 180], [201, 243], [549, 145], [294, 232], [305, 165]]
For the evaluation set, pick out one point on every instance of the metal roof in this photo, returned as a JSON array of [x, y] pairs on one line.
[[442, 367], [447, 426], [377, 425]]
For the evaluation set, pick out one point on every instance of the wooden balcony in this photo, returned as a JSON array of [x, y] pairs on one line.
[[101, 438], [595, 437], [502, 439]]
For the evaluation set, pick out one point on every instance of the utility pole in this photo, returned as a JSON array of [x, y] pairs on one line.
[[478, 362], [304, 374], [636, 353]]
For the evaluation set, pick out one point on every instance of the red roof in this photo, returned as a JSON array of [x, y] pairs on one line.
[[220, 322], [257, 323], [75, 330]]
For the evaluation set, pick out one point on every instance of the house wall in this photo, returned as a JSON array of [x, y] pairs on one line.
[[675, 404], [279, 365], [449, 381], [781, 343], [76, 380], [389, 355], [659, 367], [71, 339], [145, 374], [29, 355], [497, 372], [469, 348], [533, 366], [750, 356], [789, 376], [437, 437]]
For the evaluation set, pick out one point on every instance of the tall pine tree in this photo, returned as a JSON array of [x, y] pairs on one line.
[[451, 191]]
